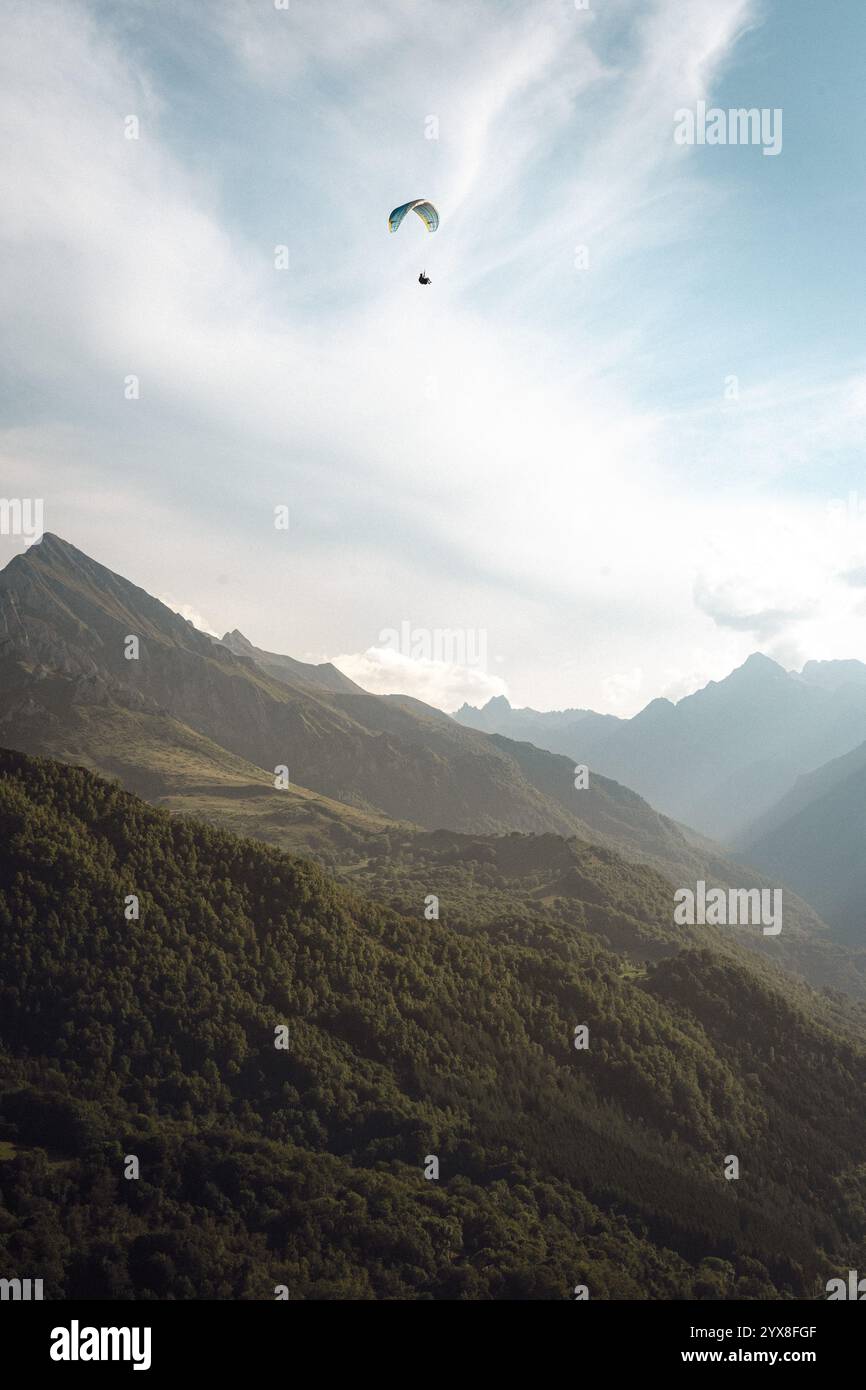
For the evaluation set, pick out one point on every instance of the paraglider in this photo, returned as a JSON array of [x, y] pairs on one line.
[[429, 216], [423, 207]]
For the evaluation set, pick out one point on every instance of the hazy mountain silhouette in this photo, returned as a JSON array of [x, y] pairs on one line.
[[722, 757], [555, 730], [815, 838]]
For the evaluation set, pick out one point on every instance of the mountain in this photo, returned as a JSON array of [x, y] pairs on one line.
[[64, 624], [199, 728], [834, 675], [66, 689], [722, 757], [814, 838], [554, 730], [286, 1058], [325, 676]]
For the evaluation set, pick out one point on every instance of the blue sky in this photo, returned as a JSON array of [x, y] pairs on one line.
[[540, 453]]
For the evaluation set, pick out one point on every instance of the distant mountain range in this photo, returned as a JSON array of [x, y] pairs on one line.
[[555, 730], [719, 759], [199, 726]]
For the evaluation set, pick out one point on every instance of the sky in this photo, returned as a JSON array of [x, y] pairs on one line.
[[613, 448]]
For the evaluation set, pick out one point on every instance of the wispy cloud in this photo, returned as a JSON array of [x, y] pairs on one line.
[[483, 453]]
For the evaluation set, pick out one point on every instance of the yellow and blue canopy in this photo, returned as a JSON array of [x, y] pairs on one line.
[[425, 210]]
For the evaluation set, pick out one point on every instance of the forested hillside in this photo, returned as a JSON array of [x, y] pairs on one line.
[[406, 1038]]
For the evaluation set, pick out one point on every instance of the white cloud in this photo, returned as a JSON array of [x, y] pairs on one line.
[[623, 690], [476, 455], [384, 671], [189, 613]]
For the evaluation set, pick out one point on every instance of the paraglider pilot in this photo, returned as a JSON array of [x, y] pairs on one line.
[[429, 216]]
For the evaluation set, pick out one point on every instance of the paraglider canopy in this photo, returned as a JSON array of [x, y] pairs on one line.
[[425, 210]]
